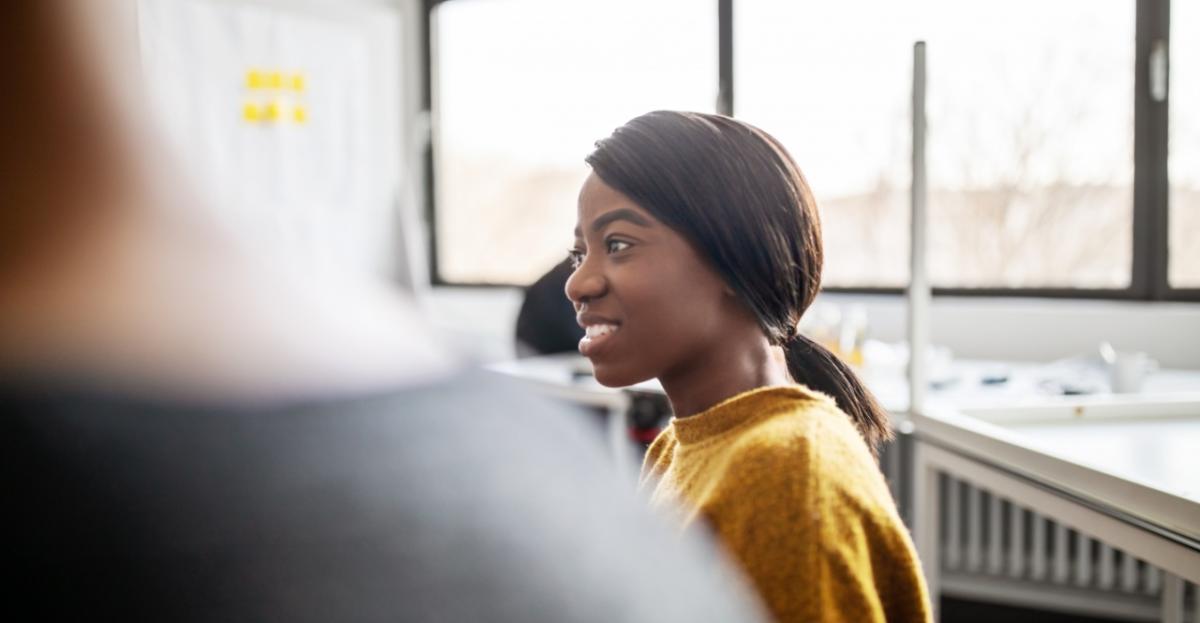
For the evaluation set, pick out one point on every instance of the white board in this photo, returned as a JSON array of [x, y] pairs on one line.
[[287, 120]]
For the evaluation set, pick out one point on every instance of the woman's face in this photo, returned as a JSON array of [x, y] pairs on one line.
[[650, 304]]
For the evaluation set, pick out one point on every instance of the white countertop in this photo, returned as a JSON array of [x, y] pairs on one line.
[[1137, 453], [1160, 452]]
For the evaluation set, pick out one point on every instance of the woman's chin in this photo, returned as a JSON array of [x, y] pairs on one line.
[[615, 376]]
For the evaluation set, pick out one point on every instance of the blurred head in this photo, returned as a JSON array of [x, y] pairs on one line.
[[70, 111], [695, 229]]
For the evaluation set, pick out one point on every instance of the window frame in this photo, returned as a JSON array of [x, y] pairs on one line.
[[1151, 186]]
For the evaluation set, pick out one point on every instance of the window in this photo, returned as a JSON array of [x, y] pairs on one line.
[[1184, 146], [832, 81], [1048, 165], [1030, 150], [522, 89]]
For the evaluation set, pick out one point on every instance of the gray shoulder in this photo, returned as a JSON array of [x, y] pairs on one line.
[[521, 504]]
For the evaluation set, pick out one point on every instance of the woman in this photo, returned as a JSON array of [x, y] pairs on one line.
[[697, 251]]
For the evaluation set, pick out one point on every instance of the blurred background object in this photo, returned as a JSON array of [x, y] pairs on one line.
[[546, 323], [293, 120]]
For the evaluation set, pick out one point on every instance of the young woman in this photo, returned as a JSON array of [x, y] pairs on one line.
[[698, 248]]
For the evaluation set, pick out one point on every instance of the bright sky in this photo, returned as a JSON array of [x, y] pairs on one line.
[[1022, 93], [542, 79], [1184, 142], [833, 79]]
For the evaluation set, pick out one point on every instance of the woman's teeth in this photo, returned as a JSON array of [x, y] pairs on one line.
[[597, 330]]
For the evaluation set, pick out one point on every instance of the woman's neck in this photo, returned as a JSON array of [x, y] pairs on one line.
[[731, 367]]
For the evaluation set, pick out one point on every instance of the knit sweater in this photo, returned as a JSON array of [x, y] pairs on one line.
[[787, 484]]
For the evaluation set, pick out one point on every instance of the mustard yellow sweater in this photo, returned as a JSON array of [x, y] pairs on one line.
[[789, 487]]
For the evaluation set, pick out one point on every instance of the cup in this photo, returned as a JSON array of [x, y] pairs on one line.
[[1127, 371]]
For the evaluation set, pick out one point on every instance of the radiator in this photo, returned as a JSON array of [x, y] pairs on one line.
[[995, 549], [999, 550]]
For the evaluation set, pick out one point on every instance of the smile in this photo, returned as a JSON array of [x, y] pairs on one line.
[[595, 337]]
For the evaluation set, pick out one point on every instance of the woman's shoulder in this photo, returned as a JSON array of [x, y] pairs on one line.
[[658, 455], [795, 417], [806, 437], [664, 441]]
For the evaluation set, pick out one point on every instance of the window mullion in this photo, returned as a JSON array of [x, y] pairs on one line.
[[725, 56], [1150, 252]]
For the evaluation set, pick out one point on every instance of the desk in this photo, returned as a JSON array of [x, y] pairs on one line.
[[1091, 508]]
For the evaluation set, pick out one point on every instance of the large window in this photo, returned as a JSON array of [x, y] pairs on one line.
[[832, 81], [1047, 174], [1030, 147], [1184, 141], [522, 90]]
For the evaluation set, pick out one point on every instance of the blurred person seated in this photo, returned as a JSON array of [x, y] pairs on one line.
[[187, 436], [546, 323]]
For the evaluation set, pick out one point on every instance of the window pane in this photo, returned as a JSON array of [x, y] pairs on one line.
[[1030, 110], [1184, 145], [523, 88]]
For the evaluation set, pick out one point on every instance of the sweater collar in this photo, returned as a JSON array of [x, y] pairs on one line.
[[740, 409]]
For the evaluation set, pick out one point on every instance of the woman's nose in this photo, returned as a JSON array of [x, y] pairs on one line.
[[585, 284]]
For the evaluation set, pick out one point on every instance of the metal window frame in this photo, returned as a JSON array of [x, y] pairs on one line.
[[1151, 187], [1150, 184], [429, 181]]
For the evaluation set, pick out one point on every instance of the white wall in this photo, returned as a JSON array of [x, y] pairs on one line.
[[1045, 329], [482, 321]]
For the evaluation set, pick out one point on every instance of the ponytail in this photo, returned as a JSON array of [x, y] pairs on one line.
[[813, 365]]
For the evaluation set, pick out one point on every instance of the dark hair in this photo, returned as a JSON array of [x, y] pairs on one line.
[[736, 194]]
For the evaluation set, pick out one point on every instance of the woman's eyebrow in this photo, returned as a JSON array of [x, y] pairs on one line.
[[620, 214]]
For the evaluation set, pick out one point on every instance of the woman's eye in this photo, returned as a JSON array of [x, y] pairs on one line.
[[615, 246], [575, 258]]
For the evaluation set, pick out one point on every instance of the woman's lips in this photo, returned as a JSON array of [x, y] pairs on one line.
[[595, 338]]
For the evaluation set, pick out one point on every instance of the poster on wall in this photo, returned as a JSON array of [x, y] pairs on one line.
[[281, 118]]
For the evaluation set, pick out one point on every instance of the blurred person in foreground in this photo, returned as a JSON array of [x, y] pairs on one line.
[[186, 437]]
